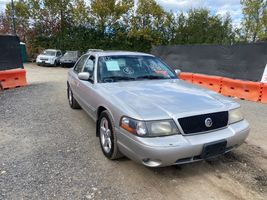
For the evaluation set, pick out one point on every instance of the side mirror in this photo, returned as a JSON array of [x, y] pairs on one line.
[[178, 72], [84, 76]]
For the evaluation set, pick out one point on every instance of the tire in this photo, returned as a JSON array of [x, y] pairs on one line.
[[55, 63], [107, 137], [72, 101]]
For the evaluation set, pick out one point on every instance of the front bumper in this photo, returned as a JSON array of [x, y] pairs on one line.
[[177, 149], [67, 64], [44, 62]]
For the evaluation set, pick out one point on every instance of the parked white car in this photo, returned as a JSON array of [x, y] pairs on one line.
[[49, 57]]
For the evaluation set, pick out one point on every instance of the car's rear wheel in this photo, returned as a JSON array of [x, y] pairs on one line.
[[107, 137], [72, 101]]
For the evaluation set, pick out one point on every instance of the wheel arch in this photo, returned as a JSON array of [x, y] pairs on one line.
[[100, 109]]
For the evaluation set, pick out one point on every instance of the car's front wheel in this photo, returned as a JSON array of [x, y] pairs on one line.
[[72, 101], [107, 136]]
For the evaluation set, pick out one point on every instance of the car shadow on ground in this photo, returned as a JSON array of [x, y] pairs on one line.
[[236, 164]]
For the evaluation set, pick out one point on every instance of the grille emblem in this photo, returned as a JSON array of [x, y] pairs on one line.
[[208, 122]]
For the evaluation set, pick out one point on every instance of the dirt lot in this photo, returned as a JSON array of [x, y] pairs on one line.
[[49, 151]]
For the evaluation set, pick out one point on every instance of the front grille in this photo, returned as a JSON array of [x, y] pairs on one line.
[[45, 59], [197, 124]]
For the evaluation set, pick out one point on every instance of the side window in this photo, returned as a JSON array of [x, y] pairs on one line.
[[79, 65], [89, 65], [58, 53]]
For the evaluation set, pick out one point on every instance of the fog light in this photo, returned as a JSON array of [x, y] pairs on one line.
[[151, 163]]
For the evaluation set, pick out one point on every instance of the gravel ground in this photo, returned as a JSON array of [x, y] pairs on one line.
[[49, 151]]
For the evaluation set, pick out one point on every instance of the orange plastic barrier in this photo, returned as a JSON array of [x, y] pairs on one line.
[[242, 89], [187, 76], [264, 93], [13, 78], [210, 82]]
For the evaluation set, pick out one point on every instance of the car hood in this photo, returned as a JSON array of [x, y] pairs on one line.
[[45, 56], [163, 99], [67, 58]]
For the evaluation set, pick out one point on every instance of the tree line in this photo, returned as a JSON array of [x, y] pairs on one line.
[[122, 25]]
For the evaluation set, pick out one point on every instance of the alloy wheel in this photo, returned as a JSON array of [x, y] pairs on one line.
[[105, 135]]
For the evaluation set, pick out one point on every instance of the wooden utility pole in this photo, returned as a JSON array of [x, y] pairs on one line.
[[13, 17]]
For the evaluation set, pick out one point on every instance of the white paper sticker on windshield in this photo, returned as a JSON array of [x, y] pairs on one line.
[[121, 62], [112, 65]]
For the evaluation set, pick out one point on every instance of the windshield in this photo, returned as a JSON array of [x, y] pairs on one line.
[[49, 53], [130, 68], [70, 54]]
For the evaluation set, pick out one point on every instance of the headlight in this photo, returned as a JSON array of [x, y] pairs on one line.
[[235, 116], [134, 126], [149, 128], [162, 128]]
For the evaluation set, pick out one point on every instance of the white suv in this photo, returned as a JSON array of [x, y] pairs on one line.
[[49, 57]]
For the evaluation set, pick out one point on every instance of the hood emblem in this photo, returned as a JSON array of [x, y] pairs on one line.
[[208, 122]]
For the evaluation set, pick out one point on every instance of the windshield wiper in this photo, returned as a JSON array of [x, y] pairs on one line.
[[119, 78], [151, 77]]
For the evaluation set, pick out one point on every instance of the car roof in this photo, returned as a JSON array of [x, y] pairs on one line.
[[94, 50], [119, 53], [52, 50]]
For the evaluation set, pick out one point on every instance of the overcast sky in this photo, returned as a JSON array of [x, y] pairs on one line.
[[233, 7]]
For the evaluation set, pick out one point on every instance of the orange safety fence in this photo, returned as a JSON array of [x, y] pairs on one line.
[[187, 76], [242, 89], [13, 78], [210, 82], [264, 93], [248, 90]]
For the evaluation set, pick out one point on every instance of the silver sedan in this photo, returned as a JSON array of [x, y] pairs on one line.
[[143, 111]]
